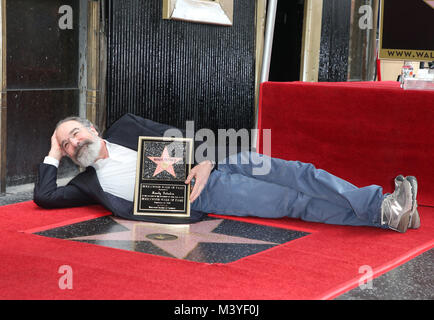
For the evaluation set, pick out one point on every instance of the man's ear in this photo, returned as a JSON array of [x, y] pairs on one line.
[[92, 128]]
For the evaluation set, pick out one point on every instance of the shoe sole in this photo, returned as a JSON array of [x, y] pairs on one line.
[[404, 222], [413, 184], [413, 224], [415, 220]]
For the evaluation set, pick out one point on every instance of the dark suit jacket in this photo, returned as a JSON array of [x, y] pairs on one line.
[[84, 189]]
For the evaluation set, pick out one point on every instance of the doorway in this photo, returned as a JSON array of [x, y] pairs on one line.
[[287, 41]]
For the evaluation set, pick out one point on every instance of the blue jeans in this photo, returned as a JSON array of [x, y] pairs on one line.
[[287, 189]]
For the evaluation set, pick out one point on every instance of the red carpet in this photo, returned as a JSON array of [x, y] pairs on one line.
[[319, 266], [366, 132]]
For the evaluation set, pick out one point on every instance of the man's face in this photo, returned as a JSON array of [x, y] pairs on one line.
[[79, 143]]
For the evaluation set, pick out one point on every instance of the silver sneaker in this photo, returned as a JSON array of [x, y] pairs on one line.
[[396, 207], [414, 222]]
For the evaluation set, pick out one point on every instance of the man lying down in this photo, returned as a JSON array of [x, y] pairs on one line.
[[233, 187]]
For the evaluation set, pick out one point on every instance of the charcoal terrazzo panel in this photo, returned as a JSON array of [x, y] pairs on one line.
[[84, 228], [258, 232]]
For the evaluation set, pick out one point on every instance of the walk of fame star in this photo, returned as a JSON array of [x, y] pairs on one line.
[[187, 237], [212, 240], [165, 163]]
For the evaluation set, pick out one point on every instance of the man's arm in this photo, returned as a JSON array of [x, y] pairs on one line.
[[46, 193], [56, 151]]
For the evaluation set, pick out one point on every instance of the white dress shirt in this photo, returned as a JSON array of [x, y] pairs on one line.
[[117, 173]]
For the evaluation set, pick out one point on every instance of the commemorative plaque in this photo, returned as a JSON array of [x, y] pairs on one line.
[[163, 164]]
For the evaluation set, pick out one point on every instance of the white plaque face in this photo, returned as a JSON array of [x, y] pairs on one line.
[[202, 11]]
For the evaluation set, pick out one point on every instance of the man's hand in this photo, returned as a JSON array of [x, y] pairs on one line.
[[56, 151], [200, 173]]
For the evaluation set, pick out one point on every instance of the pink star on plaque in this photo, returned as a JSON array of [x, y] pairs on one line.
[[165, 163]]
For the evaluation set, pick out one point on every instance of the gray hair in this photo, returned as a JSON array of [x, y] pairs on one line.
[[83, 121]]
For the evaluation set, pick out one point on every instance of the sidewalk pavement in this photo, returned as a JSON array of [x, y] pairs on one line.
[[21, 193]]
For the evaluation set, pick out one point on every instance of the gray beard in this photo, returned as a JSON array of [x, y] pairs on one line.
[[88, 152]]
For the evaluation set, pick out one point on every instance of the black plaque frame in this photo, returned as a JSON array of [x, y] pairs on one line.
[[159, 190], [405, 30]]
